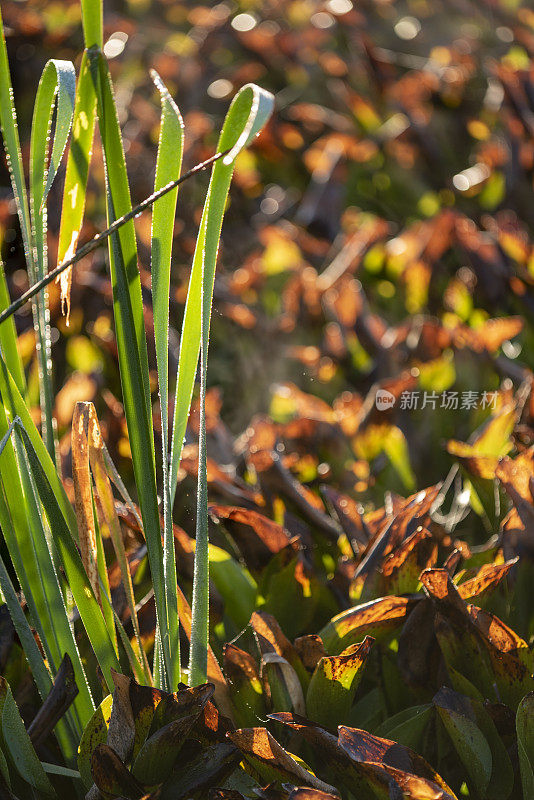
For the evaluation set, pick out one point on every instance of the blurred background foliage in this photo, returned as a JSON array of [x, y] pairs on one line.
[[379, 223]]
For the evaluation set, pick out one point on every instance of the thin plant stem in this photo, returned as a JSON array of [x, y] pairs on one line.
[[101, 237]]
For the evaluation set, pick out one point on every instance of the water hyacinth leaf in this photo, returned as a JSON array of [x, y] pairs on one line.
[[271, 639], [234, 583], [284, 685], [373, 618], [334, 684], [487, 578], [479, 459], [244, 682], [168, 168], [95, 732], [402, 568], [184, 704], [77, 171], [502, 773], [408, 726], [211, 767], [525, 743], [362, 747], [249, 111], [173, 718], [293, 593], [18, 746], [256, 536], [111, 775], [268, 759], [326, 746], [459, 720]]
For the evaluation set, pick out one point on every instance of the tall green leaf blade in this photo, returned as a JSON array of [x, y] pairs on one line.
[[8, 338], [66, 735], [16, 407], [78, 162], [18, 745], [10, 134], [80, 586], [168, 167], [31, 553], [56, 90], [248, 113], [93, 22], [131, 340], [40, 672]]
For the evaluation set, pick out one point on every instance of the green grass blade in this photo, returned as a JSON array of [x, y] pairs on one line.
[[30, 552], [131, 340], [56, 90], [10, 134], [79, 584], [8, 338], [248, 113], [41, 675], [107, 606], [78, 162], [168, 168], [93, 22], [16, 407], [67, 737], [17, 745]]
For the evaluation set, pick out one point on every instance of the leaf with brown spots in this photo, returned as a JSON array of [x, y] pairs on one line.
[[402, 568], [271, 639], [350, 516], [310, 650], [211, 765], [459, 720], [363, 746], [334, 684], [517, 476], [376, 618], [157, 756], [257, 537], [270, 761], [95, 732], [111, 775], [245, 686], [488, 577]]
